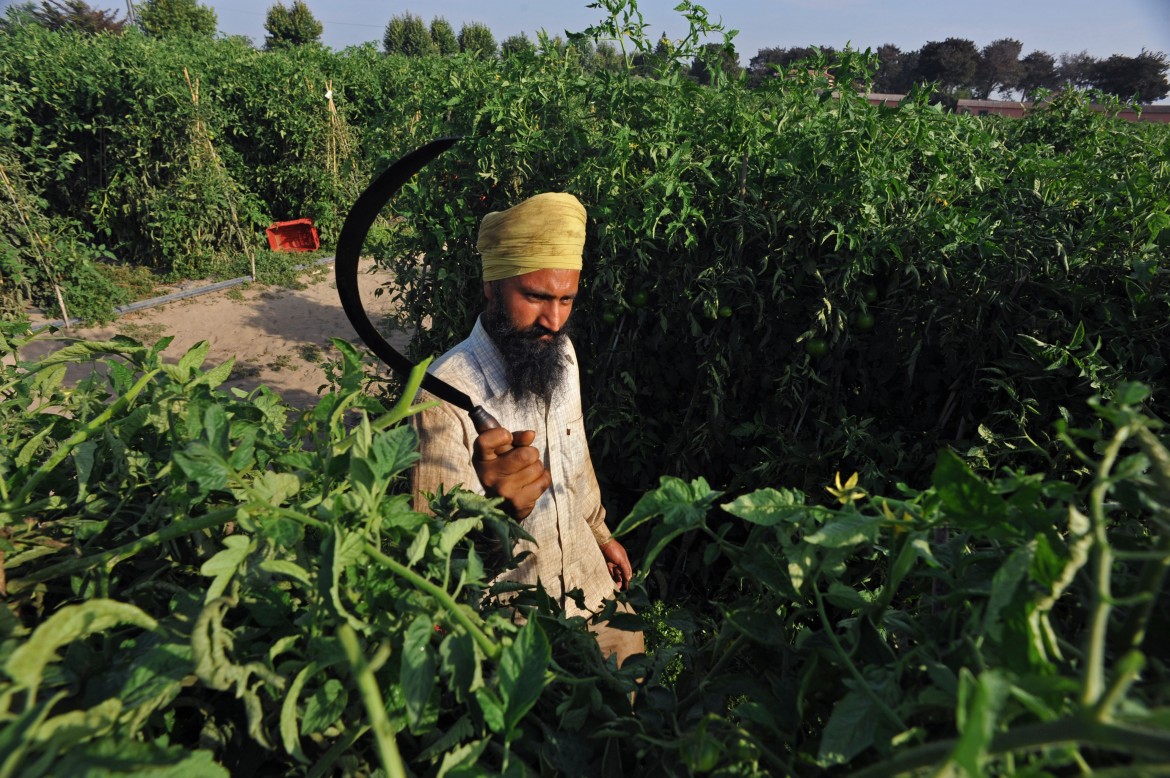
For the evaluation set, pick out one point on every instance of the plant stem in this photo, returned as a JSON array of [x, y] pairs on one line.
[[862, 684], [1127, 672], [82, 435], [1093, 684], [724, 658], [489, 646], [375, 705], [123, 552], [1149, 584], [1071, 730]]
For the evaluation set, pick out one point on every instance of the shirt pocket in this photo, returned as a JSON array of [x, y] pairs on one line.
[[573, 452]]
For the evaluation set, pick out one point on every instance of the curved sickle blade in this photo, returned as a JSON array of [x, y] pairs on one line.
[[349, 246]]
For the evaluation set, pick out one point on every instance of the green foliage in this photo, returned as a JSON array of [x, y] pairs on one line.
[[176, 18], [293, 26], [969, 628], [781, 282], [951, 63], [46, 261], [477, 39], [1141, 78], [16, 15], [714, 62], [517, 45], [907, 279], [169, 547], [443, 35], [408, 35], [79, 16], [109, 135]]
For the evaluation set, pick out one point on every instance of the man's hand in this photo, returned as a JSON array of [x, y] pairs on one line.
[[509, 467], [617, 562]]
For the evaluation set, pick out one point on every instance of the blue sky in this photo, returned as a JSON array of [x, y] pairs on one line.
[[1101, 27]]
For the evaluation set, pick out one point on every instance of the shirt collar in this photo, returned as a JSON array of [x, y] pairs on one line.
[[491, 361]]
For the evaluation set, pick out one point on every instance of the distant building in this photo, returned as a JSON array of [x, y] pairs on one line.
[[1015, 109]]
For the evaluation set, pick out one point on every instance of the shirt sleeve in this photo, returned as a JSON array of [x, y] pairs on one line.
[[595, 511], [444, 455]]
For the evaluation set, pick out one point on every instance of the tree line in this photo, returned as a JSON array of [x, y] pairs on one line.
[[956, 66], [963, 70]]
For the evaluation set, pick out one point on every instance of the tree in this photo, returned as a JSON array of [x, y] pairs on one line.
[[555, 44], [585, 52], [174, 18], [1142, 78], [17, 15], [408, 35], [1037, 71], [760, 66], [772, 61], [477, 38], [78, 15], [897, 70], [606, 57], [952, 63], [998, 69], [443, 36], [715, 58], [517, 45], [293, 26], [1076, 70]]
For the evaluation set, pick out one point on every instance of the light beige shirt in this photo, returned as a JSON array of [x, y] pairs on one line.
[[568, 520]]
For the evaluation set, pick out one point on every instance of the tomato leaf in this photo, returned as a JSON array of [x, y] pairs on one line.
[[417, 672]]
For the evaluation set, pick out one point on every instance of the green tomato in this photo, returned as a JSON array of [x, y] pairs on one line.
[[609, 317], [816, 347], [870, 294], [725, 311], [702, 753], [864, 321], [639, 299]]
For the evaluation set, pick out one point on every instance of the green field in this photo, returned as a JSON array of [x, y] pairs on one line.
[[875, 396]]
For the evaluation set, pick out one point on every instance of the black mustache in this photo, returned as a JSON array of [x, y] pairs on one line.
[[537, 331]]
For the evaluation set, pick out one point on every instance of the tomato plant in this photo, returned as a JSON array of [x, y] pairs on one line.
[[264, 568], [816, 347], [171, 547]]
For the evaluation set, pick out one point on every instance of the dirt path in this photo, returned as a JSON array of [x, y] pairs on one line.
[[277, 335]]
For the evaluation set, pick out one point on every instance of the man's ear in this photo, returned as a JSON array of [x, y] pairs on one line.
[[489, 290]]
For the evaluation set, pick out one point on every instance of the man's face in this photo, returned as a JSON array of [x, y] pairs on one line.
[[542, 297], [527, 318]]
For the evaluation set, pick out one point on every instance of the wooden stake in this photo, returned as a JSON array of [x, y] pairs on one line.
[[36, 242]]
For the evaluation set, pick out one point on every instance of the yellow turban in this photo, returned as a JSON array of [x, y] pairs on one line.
[[543, 232]]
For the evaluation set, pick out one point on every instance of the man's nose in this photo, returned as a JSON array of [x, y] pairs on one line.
[[553, 315]]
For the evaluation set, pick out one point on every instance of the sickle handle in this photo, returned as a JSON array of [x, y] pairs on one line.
[[482, 420]]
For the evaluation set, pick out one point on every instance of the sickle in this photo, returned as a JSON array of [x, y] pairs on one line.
[[349, 246]]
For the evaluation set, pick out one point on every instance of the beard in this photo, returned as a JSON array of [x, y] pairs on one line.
[[534, 368]]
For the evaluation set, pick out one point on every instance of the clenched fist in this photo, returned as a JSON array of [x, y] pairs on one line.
[[509, 467]]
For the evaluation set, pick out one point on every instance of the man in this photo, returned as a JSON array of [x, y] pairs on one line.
[[519, 364]]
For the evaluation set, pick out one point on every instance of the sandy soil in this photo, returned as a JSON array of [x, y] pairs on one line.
[[277, 335]]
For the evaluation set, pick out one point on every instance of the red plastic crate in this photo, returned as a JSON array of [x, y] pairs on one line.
[[296, 235]]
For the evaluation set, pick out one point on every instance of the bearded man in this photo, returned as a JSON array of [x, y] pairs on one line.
[[520, 364]]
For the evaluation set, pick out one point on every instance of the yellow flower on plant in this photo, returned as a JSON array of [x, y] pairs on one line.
[[900, 524], [847, 492]]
